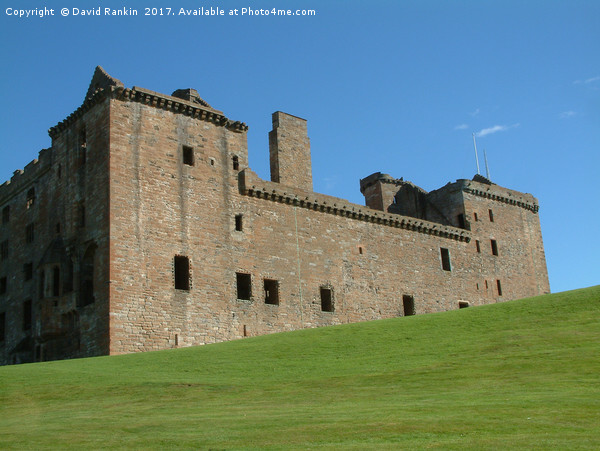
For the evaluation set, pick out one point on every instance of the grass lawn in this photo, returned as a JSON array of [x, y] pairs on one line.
[[523, 374]]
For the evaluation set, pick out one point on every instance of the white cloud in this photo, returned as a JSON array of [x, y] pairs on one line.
[[587, 81], [566, 114], [461, 127], [494, 129]]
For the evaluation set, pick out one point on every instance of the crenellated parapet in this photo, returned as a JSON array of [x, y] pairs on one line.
[[499, 194], [147, 97], [253, 186], [23, 178]]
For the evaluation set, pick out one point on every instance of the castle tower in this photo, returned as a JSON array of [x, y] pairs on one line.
[[289, 149]]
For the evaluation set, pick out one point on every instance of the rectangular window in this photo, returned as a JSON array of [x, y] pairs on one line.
[[463, 304], [491, 216], [236, 163], [29, 235], [182, 272], [445, 259], [27, 313], [244, 286], [494, 247], [408, 305], [461, 221], [475, 217], [271, 291], [56, 281], [28, 271], [81, 215], [238, 223], [3, 285], [478, 246], [326, 299], [188, 155], [30, 198], [2, 326], [6, 214], [4, 250], [499, 286]]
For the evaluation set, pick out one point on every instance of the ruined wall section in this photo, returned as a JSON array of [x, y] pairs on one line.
[[289, 151], [56, 206]]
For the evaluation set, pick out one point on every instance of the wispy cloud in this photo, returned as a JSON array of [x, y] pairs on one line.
[[567, 114], [587, 81], [494, 129], [475, 113], [461, 127]]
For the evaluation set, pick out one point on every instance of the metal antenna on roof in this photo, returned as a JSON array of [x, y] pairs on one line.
[[487, 169], [476, 157]]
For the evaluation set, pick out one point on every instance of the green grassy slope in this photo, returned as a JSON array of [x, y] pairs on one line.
[[522, 374]]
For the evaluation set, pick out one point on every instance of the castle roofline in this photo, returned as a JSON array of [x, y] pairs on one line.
[[183, 101]]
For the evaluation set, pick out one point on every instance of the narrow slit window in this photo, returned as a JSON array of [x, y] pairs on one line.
[[271, 291], [499, 286], [29, 233], [244, 286], [408, 305], [445, 254], [475, 217], [56, 281], [461, 221], [30, 198], [494, 247], [238, 223], [2, 326], [3, 285], [27, 314], [4, 250], [83, 145], [236, 163], [326, 299], [6, 214], [188, 155], [478, 246], [182, 272], [491, 216]]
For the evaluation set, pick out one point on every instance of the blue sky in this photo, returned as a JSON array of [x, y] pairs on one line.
[[391, 86]]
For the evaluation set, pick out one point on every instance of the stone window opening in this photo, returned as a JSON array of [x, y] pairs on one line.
[[6, 214], [57, 228], [87, 275], [83, 145], [271, 291], [477, 286], [486, 285], [244, 286], [27, 315], [188, 155], [56, 281], [29, 233], [81, 215], [238, 223], [28, 271], [475, 217], [236, 163], [42, 284], [3, 285], [463, 304], [491, 216], [478, 246], [212, 161], [181, 265], [2, 326], [408, 305], [494, 247], [499, 286], [461, 221], [327, 299], [361, 250], [4, 250], [445, 254], [30, 198]]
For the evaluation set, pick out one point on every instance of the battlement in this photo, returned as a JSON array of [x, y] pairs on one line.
[[22, 178]]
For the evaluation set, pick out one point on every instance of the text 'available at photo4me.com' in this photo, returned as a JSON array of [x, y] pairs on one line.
[[166, 12]]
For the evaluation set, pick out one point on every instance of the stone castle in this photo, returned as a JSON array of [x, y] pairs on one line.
[[143, 228]]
